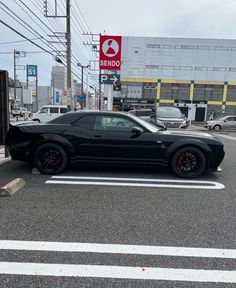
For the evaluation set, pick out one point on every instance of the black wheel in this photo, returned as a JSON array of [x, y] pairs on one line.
[[188, 162], [36, 120], [50, 159], [217, 127]]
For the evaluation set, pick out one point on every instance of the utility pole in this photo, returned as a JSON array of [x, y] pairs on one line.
[[53, 13], [15, 74], [95, 43], [68, 54]]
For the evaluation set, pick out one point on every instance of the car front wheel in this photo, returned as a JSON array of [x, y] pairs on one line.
[[50, 158], [217, 127], [188, 162]]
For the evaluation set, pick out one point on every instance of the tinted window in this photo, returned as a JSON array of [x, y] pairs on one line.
[[54, 110], [113, 123], [141, 113], [86, 122], [63, 110]]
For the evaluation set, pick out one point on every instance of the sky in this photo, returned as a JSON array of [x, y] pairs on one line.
[[147, 18]]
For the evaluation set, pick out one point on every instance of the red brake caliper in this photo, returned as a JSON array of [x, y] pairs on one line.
[[180, 161]]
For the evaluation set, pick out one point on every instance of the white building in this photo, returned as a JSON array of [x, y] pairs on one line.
[[178, 71]]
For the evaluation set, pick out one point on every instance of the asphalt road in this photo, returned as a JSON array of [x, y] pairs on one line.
[[109, 211]]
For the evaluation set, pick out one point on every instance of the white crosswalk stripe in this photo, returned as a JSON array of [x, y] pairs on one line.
[[114, 271]]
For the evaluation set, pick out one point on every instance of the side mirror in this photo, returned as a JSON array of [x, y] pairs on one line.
[[136, 131], [225, 120]]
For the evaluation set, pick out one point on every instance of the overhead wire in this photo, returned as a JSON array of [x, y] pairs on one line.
[[41, 38]]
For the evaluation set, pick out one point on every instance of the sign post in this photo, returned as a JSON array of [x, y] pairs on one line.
[[32, 71], [109, 59]]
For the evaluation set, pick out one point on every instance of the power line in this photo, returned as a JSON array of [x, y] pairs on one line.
[[13, 42], [23, 36], [25, 25]]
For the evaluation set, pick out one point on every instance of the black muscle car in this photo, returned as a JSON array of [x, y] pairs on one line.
[[112, 138]]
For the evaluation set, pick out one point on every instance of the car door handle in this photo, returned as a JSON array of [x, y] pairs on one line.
[[97, 136]]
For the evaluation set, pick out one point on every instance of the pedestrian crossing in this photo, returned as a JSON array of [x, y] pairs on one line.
[[200, 274]]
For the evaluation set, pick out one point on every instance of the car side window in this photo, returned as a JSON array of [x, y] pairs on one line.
[[63, 110], [54, 110], [113, 123], [86, 122], [44, 110]]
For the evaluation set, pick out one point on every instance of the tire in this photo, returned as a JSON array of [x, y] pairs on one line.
[[217, 127], [36, 120], [50, 159], [188, 162]]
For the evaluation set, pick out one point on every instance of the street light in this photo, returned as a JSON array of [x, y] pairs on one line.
[[82, 76], [95, 100]]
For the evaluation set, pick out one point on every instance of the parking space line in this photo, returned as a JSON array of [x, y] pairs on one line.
[[117, 272], [132, 182], [117, 249]]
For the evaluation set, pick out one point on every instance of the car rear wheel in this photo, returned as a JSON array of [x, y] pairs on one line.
[[50, 158], [36, 120], [217, 127], [188, 162]]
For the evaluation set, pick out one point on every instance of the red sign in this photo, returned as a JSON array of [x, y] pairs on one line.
[[110, 52]]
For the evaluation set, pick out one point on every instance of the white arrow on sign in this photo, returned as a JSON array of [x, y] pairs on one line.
[[114, 79]]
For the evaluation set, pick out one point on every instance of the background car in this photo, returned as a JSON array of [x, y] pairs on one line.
[[92, 137], [144, 114], [223, 122], [49, 112], [20, 112], [171, 117]]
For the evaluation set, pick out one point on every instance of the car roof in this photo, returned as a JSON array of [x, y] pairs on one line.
[[74, 115], [51, 106]]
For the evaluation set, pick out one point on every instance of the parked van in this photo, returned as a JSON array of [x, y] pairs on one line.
[[49, 112]]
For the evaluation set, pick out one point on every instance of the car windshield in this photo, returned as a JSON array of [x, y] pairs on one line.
[[152, 128], [168, 112], [221, 118]]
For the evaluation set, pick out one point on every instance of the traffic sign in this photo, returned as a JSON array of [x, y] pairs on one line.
[[110, 52], [117, 87], [31, 70], [109, 79]]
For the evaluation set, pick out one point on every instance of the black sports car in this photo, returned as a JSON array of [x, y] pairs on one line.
[[113, 138]]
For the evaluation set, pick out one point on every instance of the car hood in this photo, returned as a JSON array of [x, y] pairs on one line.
[[188, 133]]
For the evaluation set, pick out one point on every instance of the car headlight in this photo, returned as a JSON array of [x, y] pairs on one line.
[[183, 124]]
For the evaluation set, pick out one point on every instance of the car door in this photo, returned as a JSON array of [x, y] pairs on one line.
[[53, 113], [42, 115], [230, 122], [115, 142]]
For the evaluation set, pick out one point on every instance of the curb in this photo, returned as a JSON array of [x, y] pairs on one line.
[[13, 186]]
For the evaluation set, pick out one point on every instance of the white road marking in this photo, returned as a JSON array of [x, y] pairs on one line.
[[117, 272], [117, 249], [153, 183], [225, 136]]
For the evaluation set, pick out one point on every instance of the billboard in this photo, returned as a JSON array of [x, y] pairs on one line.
[[110, 52]]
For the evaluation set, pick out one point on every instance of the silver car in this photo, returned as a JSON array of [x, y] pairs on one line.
[[223, 122]]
